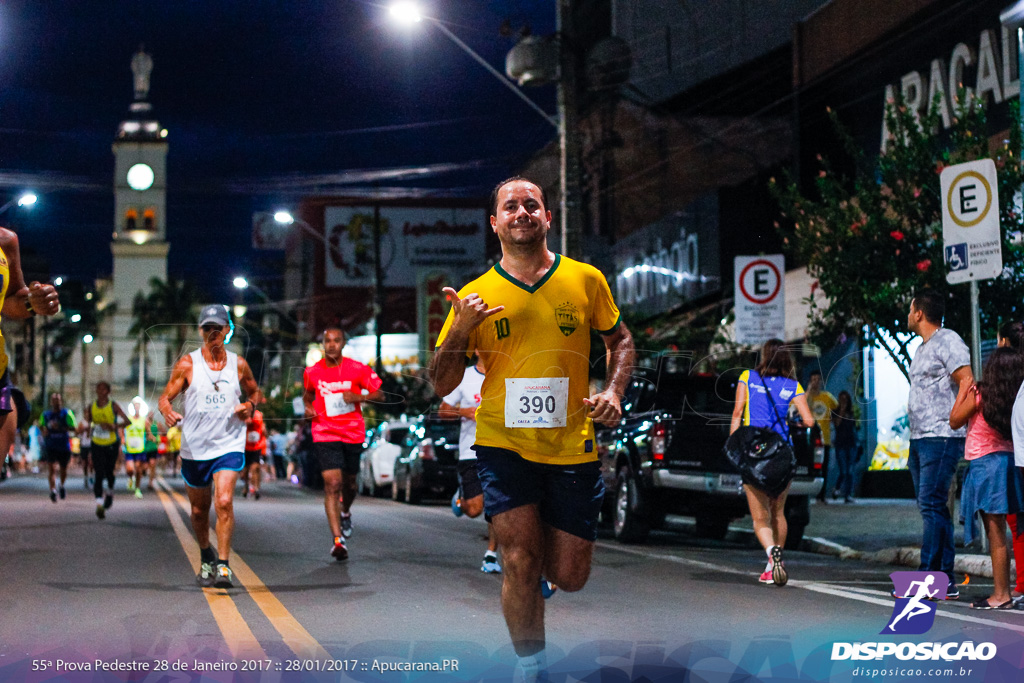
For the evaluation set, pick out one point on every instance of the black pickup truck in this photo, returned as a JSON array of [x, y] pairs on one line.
[[665, 457]]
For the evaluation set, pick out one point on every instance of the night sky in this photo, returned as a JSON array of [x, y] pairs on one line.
[[265, 102]]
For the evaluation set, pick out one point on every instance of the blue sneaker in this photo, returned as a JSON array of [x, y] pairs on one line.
[[456, 504], [490, 564], [547, 589]]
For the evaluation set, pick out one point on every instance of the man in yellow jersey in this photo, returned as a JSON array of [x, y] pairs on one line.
[[529, 317], [17, 301], [136, 456], [102, 420]]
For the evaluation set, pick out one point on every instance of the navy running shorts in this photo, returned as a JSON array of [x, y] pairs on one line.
[[199, 473], [337, 455], [568, 497], [469, 479]]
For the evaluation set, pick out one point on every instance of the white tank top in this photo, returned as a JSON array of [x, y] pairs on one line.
[[210, 428]]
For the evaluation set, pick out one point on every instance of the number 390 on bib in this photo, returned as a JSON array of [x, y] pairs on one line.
[[536, 402]]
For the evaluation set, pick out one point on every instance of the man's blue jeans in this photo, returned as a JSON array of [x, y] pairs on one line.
[[932, 465]]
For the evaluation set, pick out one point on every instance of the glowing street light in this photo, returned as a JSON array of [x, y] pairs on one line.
[[27, 199], [98, 360], [58, 281], [87, 339], [240, 282], [76, 317], [284, 217], [406, 12]]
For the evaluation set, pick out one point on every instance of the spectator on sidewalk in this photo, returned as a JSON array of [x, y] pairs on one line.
[[822, 403], [846, 446], [992, 486], [940, 373], [1011, 335]]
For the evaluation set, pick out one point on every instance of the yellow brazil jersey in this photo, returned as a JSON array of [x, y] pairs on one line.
[[5, 279], [543, 334]]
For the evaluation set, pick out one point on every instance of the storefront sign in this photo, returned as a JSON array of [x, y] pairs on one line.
[[988, 73], [411, 238]]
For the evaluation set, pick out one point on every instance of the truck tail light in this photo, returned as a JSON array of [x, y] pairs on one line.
[[658, 442], [819, 455], [427, 451]]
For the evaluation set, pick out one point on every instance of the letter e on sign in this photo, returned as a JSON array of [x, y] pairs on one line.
[[759, 298]]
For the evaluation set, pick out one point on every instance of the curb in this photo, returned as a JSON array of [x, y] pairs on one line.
[[976, 565]]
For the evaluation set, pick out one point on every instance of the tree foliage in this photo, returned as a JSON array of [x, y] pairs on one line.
[[872, 237]]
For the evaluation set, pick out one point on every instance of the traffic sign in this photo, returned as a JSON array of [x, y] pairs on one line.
[[972, 241], [760, 298]]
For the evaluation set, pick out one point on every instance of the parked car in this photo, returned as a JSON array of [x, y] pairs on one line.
[[428, 462], [377, 462], [665, 457]]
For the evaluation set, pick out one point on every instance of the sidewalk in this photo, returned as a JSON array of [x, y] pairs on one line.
[[882, 530]]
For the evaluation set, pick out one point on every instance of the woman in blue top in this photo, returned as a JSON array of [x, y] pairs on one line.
[[772, 377]]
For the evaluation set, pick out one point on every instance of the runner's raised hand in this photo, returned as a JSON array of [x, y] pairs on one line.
[[469, 312]]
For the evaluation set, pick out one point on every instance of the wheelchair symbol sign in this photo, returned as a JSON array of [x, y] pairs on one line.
[[956, 256]]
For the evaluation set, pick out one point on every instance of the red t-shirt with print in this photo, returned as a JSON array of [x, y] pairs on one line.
[[256, 434], [335, 419]]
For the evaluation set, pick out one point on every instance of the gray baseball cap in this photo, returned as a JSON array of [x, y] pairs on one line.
[[214, 314]]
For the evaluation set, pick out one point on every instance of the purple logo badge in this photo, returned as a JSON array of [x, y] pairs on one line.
[[914, 611]]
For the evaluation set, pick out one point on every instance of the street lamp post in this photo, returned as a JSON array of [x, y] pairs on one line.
[[566, 122]]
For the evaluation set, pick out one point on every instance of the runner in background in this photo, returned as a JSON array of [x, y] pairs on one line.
[[255, 448], [333, 394], [57, 425], [102, 419], [469, 499]]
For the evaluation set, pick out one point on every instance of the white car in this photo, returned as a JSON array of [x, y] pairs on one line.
[[377, 463]]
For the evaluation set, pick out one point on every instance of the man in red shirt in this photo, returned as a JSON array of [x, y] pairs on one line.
[[333, 393], [255, 448]]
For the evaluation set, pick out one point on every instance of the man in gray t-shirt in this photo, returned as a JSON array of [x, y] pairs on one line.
[[941, 369]]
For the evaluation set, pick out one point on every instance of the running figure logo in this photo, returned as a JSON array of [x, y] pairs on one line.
[[914, 613]]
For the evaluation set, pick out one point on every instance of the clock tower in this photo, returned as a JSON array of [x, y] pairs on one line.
[[140, 218]]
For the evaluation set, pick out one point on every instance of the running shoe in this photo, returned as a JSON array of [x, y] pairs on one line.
[[108, 500], [255, 495], [490, 564], [766, 577], [205, 576], [53, 495], [547, 589], [456, 504], [953, 591], [339, 551], [245, 492], [138, 492], [150, 487], [295, 479], [346, 525], [223, 576], [101, 511], [131, 484], [779, 575], [62, 492]]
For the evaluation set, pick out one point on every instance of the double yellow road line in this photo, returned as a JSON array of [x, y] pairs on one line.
[[240, 639]]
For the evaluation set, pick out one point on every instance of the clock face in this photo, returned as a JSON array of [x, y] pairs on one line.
[[140, 177]]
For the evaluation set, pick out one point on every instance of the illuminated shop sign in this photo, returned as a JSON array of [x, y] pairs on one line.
[[990, 60]]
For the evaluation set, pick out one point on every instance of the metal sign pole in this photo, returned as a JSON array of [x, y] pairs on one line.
[[975, 332]]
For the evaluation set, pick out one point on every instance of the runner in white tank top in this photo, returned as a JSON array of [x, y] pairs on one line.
[[210, 428], [213, 380]]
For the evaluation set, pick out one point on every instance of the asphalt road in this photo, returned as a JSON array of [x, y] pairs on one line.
[[122, 591]]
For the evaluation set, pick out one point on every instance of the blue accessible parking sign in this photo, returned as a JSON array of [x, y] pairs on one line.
[[956, 256]]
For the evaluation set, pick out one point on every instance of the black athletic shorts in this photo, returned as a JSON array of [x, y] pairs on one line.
[[252, 457], [567, 496], [337, 455], [469, 480]]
